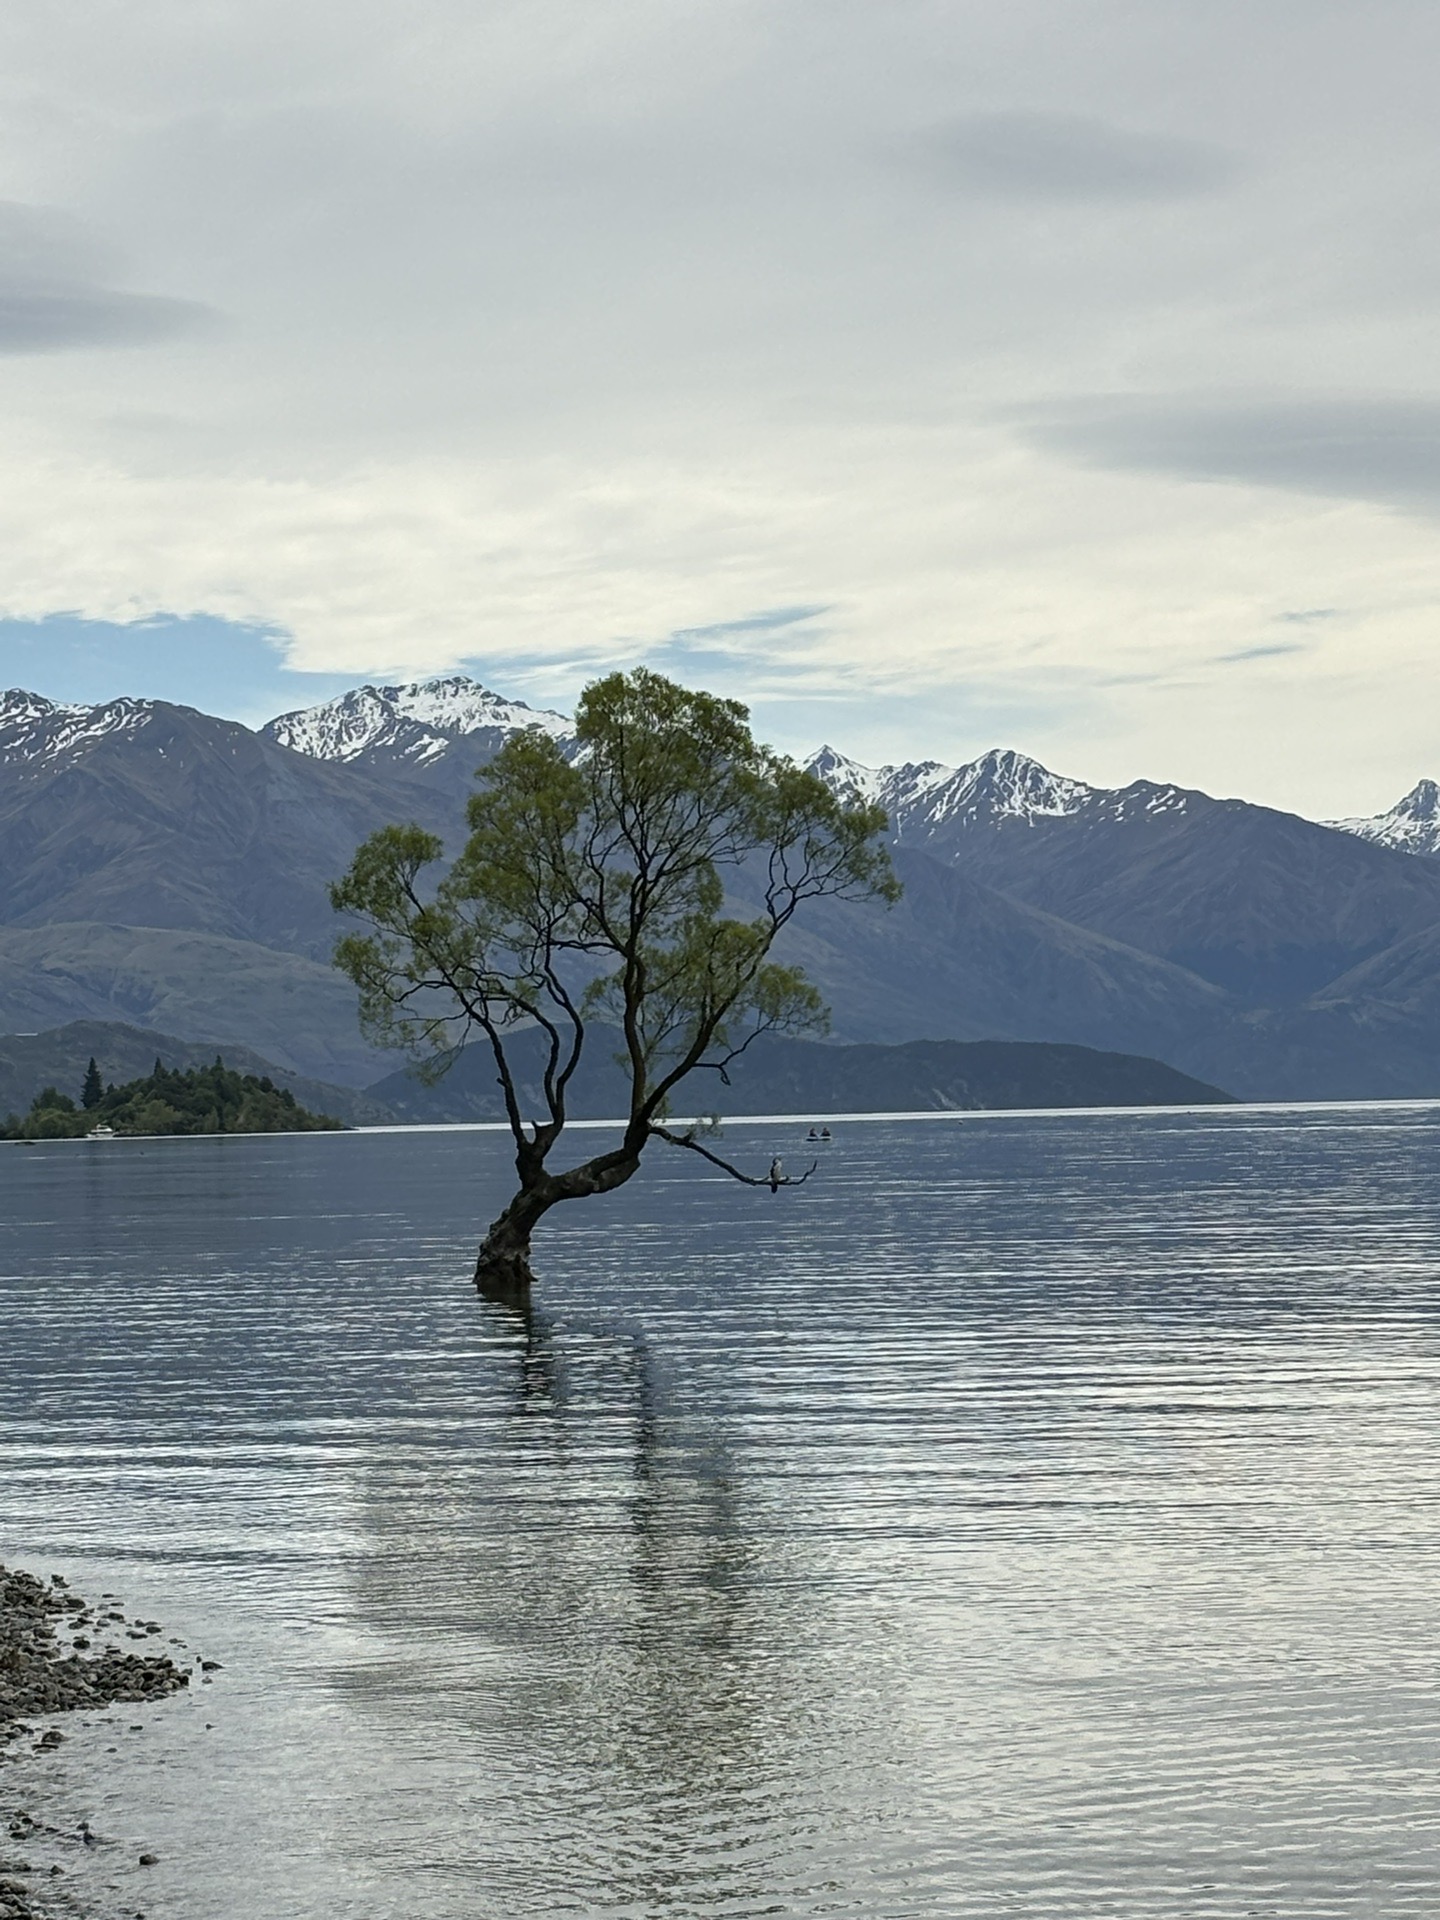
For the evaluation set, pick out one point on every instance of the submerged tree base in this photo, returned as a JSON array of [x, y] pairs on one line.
[[502, 1274]]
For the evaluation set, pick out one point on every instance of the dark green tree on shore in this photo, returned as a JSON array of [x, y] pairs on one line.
[[201, 1100], [93, 1091], [591, 891]]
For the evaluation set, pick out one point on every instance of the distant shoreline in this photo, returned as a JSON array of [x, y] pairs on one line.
[[815, 1117], [1235, 1108]]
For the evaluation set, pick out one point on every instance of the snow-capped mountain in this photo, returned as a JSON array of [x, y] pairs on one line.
[[35, 731], [161, 864], [1412, 824], [1000, 785], [847, 777], [414, 723]]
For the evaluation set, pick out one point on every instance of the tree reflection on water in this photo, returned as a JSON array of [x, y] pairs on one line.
[[624, 1646]]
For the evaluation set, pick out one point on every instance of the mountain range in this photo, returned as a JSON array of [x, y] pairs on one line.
[[167, 869]]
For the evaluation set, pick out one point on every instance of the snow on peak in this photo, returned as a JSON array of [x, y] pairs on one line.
[[1005, 785], [1412, 825], [923, 795], [416, 722], [845, 776], [34, 730], [19, 708]]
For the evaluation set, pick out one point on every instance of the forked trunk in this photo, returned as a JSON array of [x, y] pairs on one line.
[[502, 1268]]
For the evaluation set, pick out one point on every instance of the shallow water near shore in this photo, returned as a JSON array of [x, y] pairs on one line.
[[1027, 1516]]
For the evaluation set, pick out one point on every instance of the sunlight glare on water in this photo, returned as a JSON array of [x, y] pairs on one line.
[[1027, 1516]]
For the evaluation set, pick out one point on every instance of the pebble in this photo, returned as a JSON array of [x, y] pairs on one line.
[[39, 1676]]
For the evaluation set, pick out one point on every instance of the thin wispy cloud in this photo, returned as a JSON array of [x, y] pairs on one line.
[[773, 620], [1259, 653], [1068, 157]]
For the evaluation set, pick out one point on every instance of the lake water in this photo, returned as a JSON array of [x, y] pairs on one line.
[[1029, 1516]]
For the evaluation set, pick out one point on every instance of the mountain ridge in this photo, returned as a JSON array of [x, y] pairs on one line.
[[413, 722], [167, 867], [921, 1075], [801, 1078], [1412, 825], [418, 722]]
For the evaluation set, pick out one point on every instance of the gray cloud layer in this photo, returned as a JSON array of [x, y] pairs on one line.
[[1066, 156], [1382, 450], [552, 330], [56, 291]]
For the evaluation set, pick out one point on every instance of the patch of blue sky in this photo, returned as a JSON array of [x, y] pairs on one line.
[[195, 660], [775, 660]]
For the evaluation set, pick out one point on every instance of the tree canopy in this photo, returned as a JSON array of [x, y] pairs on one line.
[[637, 882], [212, 1099]]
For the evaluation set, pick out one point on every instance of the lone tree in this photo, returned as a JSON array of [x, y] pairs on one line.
[[590, 894], [93, 1091]]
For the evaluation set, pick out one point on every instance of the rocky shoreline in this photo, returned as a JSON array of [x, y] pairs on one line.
[[59, 1654]]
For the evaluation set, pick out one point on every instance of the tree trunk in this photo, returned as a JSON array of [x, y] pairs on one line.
[[502, 1268]]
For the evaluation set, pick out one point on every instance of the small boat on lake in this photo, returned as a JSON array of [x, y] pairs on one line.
[[102, 1132]]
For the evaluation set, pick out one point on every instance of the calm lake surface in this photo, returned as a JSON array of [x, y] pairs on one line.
[[1029, 1516]]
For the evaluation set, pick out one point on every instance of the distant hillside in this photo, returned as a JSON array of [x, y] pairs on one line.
[[31, 1062], [805, 1077], [1262, 904], [207, 990], [144, 814], [787, 1076]]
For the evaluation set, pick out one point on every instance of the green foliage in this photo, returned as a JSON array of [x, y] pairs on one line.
[[603, 886], [93, 1090], [204, 1100]]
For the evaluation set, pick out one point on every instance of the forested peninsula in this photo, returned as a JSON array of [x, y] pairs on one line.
[[212, 1099]]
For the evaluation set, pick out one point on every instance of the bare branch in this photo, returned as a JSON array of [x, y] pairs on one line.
[[772, 1179]]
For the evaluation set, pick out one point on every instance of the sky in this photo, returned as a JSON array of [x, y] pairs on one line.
[[1060, 375]]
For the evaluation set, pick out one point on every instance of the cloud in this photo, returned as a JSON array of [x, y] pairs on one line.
[[772, 620], [554, 330], [1385, 450], [55, 296], [1259, 653], [33, 322], [1066, 156]]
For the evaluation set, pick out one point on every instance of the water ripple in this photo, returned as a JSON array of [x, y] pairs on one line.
[[1026, 1517]]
